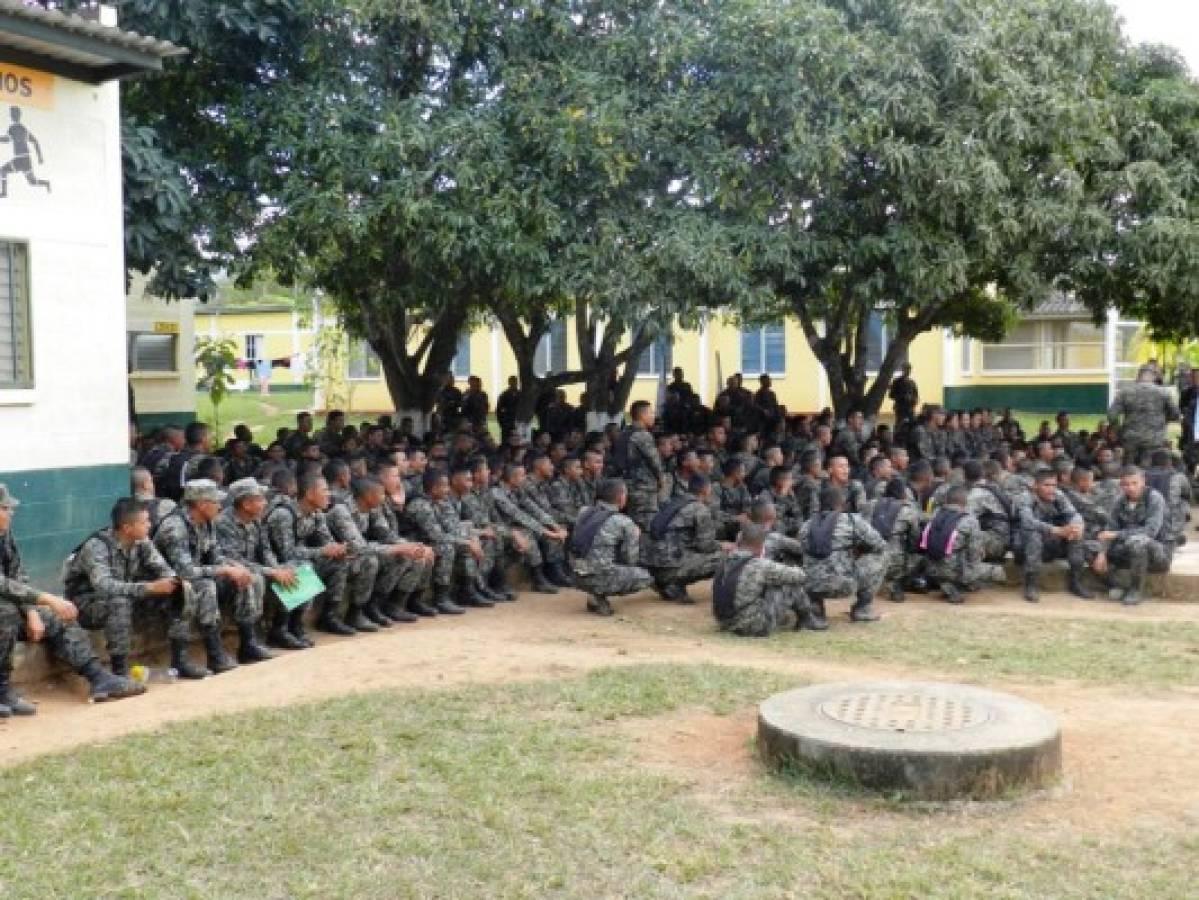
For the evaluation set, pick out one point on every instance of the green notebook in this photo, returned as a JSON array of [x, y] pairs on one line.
[[308, 585]]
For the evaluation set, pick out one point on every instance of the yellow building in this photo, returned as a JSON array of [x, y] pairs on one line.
[[268, 333], [160, 339]]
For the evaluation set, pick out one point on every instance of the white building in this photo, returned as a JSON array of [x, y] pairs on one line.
[[63, 388]]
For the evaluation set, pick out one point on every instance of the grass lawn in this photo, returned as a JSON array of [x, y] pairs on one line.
[[264, 415], [517, 791]]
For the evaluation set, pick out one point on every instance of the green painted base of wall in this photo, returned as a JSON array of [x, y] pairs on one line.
[[149, 421], [1074, 398], [59, 508]]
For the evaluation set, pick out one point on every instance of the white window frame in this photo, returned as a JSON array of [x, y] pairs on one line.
[[258, 339], [1041, 343], [761, 330], [657, 360], [885, 341], [966, 360], [463, 337], [368, 353], [132, 337]]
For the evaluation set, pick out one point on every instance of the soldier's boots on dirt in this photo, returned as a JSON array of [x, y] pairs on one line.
[[358, 620], [599, 605], [183, 666], [443, 604], [497, 580], [953, 594], [295, 625], [541, 583], [250, 649], [1077, 588], [470, 596], [397, 609], [818, 617], [557, 573], [331, 623], [281, 636], [104, 686], [218, 660], [12, 703], [895, 593], [371, 611], [118, 664], [863, 608], [1032, 593]]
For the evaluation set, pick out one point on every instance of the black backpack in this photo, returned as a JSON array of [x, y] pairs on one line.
[[940, 532], [659, 525], [820, 535], [586, 529], [724, 587], [621, 452], [882, 519]]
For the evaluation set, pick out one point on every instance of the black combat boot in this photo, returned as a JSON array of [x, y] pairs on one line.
[[295, 626], [558, 575], [1136, 586], [1077, 588], [105, 685], [397, 610], [12, 703], [218, 660], [183, 666], [863, 608], [541, 584], [119, 664], [358, 620], [469, 596], [819, 619], [331, 623], [599, 605], [417, 605], [483, 588], [1032, 593], [376, 615], [498, 582], [280, 636], [952, 593], [805, 618], [895, 592], [250, 650], [918, 585], [443, 604]]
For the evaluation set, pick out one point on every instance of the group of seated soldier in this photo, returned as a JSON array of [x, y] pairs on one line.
[[399, 528]]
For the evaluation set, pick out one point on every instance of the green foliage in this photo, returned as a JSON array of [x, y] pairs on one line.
[[217, 357]]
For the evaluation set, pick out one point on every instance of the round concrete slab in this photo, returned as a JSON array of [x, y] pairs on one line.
[[927, 740]]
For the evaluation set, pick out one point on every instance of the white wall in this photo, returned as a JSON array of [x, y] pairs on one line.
[[76, 413]]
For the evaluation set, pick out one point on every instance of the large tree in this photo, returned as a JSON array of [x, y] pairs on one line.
[[909, 157]]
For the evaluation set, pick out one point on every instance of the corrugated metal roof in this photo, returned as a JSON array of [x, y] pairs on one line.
[[1059, 306], [77, 47]]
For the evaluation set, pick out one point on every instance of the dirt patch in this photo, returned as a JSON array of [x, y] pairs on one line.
[[1131, 757]]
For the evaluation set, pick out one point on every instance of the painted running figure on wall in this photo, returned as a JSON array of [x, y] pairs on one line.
[[21, 139]]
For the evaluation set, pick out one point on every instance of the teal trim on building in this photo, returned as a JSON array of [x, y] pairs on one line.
[[59, 508], [1074, 398], [149, 421]]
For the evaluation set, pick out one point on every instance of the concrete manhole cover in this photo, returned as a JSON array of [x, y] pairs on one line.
[[912, 711], [924, 739]]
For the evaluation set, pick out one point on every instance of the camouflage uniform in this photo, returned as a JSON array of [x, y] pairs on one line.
[[194, 554], [1142, 526], [247, 543], [534, 499], [297, 537], [688, 552], [510, 512], [996, 524], [104, 580], [1037, 519], [1175, 489], [807, 494], [731, 502], [568, 499], [1146, 408], [767, 594], [790, 516], [397, 574], [1096, 517], [478, 508], [643, 475], [17, 597], [440, 526], [965, 566], [841, 573], [928, 442], [903, 544], [610, 568], [363, 566]]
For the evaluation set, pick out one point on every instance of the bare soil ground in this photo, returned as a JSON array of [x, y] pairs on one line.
[[1130, 754]]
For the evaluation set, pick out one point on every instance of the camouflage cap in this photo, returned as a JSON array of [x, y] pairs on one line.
[[7, 500], [202, 489], [245, 487]]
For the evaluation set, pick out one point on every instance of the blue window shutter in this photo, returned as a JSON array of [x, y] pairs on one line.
[[751, 350], [775, 341], [558, 346]]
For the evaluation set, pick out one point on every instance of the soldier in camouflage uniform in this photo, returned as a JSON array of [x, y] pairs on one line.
[[405, 567], [299, 533], [1175, 489], [928, 437], [752, 595], [363, 562], [1136, 539], [1095, 515], [458, 554], [637, 460], [851, 489], [604, 550], [956, 561], [898, 521], [1052, 529], [535, 499], [478, 508], [782, 495], [241, 533], [462, 497], [681, 547], [1145, 408], [569, 492], [28, 614], [843, 557], [809, 479], [512, 514], [994, 510], [388, 525], [187, 541], [114, 569], [732, 498]]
